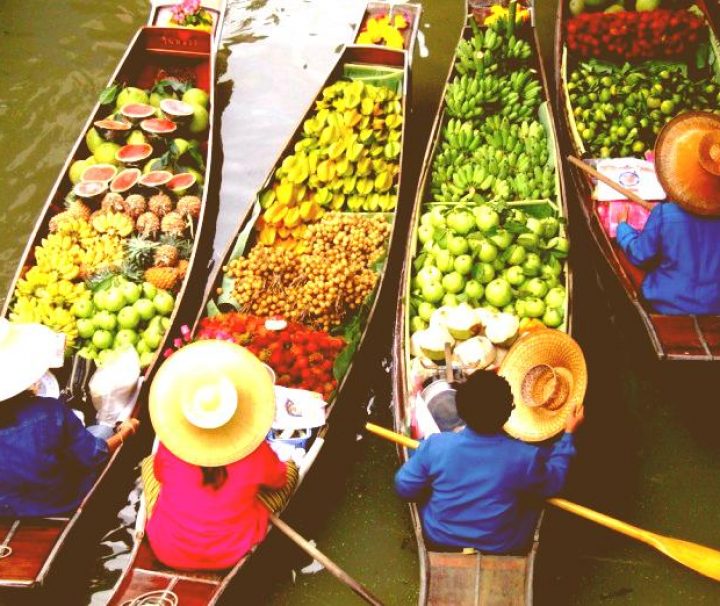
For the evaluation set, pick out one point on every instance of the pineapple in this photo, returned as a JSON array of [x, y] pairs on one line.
[[113, 202], [147, 224], [166, 255], [56, 220], [182, 267], [163, 277], [189, 206], [173, 223], [136, 205], [140, 251], [160, 204], [78, 209]]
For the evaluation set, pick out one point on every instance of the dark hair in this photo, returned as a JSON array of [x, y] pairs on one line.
[[10, 407], [214, 476], [484, 402]]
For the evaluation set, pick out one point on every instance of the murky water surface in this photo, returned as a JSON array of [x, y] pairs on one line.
[[649, 452]]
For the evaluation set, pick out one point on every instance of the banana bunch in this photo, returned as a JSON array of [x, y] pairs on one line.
[[521, 93], [467, 96], [515, 48], [480, 53], [110, 223]]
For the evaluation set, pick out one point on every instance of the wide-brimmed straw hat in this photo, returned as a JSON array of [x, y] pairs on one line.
[[547, 374], [212, 403], [26, 353], [687, 162]]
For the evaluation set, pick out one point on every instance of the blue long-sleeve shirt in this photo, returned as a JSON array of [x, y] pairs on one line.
[[681, 252], [483, 491], [47, 458]]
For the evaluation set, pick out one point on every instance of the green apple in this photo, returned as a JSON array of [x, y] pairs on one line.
[[516, 255], [142, 347], [102, 339], [450, 300], [532, 264], [577, 6], [487, 252], [417, 324], [104, 320], [425, 310], [647, 5], [128, 317], [196, 96], [428, 274], [432, 291], [483, 273], [145, 309], [444, 261], [152, 339], [535, 287], [131, 94], [114, 299], [453, 282], [425, 233], [200, 119], [164, 303], [514, 275], [474, 290], [93, 140], [461, 222], [105, 153], [534, 307], [552, 317], [501, 238], [99, 299], [76, 170], [146, 359], [437, 218], [149, 290], [86, 328], [131, 291], [83, 308], [555, 298], [136, 137], [457, 245], [125, 337], [463, 264], [486, 218], [498, 293]]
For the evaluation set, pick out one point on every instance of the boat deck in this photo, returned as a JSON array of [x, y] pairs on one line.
[[26, 547]]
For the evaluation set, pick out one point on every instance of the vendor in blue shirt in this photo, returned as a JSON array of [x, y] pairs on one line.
[[48, 458], [479, 487], [680, 244]]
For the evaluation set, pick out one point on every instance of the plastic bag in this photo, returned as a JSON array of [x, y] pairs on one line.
[[114, 384]]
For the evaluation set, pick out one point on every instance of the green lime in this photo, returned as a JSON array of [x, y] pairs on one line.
[[653, 102], [622, 131], [629, 121], [638, 147], [667, 107]]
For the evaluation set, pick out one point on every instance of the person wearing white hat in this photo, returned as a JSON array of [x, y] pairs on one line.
[[212, 404], [48, 459]]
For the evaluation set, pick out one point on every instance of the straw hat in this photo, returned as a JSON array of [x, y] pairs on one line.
[[26, 353], [687, 161], [548, 377], [212, 403]]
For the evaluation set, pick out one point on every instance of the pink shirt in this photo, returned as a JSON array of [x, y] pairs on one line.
[[197, 527]]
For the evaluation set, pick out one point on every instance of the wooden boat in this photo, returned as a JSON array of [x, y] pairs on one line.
[[146, 578], [683, 338], [460, 578], [31, 547], [410, 12]]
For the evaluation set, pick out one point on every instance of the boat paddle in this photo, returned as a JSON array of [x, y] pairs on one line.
[[630, 195], [331, 566], [699, 558]]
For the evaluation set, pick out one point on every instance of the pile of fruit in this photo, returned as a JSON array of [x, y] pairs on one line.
[[381, 30], [301, 358], [125, 230], [347, 159], [635, 36], [320, 286], [489, 237], [619, 110]]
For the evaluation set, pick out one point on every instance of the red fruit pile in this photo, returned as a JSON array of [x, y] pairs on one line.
[[301, 357], [634, 36]]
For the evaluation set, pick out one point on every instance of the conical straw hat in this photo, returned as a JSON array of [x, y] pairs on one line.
[[26, 353], [687, 162], [212, 403], [547, 374]]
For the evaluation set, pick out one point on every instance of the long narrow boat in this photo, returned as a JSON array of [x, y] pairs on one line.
[[294, 340], [688, 338], [165, 61], [462, 216]]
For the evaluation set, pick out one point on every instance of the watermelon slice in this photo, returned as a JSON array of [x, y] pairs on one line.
[[90, 189], [179, 111], [155, 178], [112, 129], [158, 126], [181, 182], [137, 111], [125, 180], [134, 154], [99, 172]]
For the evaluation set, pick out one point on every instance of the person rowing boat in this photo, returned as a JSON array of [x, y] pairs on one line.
[[679, 243], [212, 405], [482, 488], [48, 458]]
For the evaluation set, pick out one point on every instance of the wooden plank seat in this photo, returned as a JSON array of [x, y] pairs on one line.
[[28, 545]]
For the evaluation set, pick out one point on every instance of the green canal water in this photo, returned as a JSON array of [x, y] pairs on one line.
[[648, 453]]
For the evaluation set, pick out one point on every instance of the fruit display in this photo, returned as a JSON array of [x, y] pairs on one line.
[[347, 159], [619, 110], [321, 286], [635, 36], [490, 244], [127, 227], [301, 358], [383, 30]]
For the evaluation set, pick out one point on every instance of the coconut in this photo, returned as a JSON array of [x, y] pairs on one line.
[[431, 342], [477, 352], [462, 322], [502, 329]]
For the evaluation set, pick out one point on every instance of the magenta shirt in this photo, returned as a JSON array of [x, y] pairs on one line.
[[197, 527]]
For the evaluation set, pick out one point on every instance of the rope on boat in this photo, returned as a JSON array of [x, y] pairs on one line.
[[5, 549], [159, 597]]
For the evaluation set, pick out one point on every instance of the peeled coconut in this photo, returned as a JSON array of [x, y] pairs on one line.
[[477, 352], [431, 342], [502, 329], [462, 322]]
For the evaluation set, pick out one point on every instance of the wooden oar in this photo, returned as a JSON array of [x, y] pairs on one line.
[[699, 558], [630, 195], [331, 566]]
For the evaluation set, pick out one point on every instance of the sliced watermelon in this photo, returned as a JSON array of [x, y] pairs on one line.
[[111, 129], [125, 180], [99, 172], [137, 111], [134, 154], [176, 110], [156, 178], [181, 182], [90, 189], [158, 126]]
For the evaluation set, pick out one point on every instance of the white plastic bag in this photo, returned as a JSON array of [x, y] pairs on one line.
[[114, 384]]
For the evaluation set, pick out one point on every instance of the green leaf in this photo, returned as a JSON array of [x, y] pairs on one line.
[[419, 260], [108, 96], [197, 157]]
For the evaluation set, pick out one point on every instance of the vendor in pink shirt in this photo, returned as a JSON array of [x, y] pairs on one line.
[[211, 404]]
